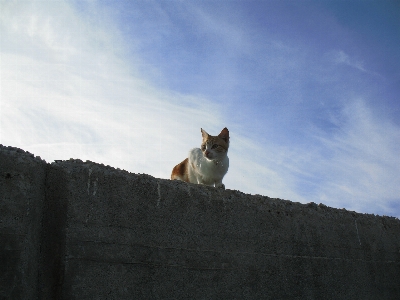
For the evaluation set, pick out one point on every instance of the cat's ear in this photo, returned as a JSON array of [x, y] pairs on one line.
[[224, 135], [204, 134]]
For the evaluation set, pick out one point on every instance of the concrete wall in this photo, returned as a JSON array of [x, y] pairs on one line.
[[75, 230], [22, 194]]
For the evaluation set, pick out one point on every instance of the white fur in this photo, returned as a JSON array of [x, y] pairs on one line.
[[207, 171]]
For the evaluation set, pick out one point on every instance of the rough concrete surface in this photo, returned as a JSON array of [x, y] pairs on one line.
[[22, 193], [109, 234]]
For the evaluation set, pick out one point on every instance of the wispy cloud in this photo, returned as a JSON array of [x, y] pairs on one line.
[[67, 101], [364, 160], [340, 57], [355, 167]]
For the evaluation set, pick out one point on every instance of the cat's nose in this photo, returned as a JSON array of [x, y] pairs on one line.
[[207, 153]]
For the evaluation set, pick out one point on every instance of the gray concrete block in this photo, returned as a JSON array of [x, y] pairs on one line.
[[22, 193], [135, 236]]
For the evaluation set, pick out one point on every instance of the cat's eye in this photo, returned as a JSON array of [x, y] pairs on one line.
[[203, 147], [214, 146]]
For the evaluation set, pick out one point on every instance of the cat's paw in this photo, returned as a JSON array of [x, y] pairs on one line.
[[220, 186]]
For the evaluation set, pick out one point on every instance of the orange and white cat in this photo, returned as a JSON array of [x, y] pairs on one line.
[[208, 164]]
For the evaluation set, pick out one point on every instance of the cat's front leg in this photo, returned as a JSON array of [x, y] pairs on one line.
[[219, 185], [199, 180]]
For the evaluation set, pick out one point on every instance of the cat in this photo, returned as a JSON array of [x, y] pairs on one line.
[[208, 164]]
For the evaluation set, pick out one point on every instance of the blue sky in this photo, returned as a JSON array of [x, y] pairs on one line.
[[310, 90]]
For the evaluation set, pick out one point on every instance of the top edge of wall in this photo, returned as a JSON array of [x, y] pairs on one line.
[[14, 151], [93, 166]]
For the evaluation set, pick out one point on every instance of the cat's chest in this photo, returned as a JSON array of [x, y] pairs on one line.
[[211, 168]]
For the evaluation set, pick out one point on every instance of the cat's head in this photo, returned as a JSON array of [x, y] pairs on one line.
[[215, 147]]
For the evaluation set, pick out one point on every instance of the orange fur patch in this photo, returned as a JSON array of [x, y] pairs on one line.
[[180, 171]]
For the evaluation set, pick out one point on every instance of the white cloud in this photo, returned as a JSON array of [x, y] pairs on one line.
[[81, 100], [363, 166], [357, 168], [340, 57], [70, 101]]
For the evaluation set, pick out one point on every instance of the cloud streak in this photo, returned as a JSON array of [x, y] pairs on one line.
[[365, 163], [341, 57], [76, 104]]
